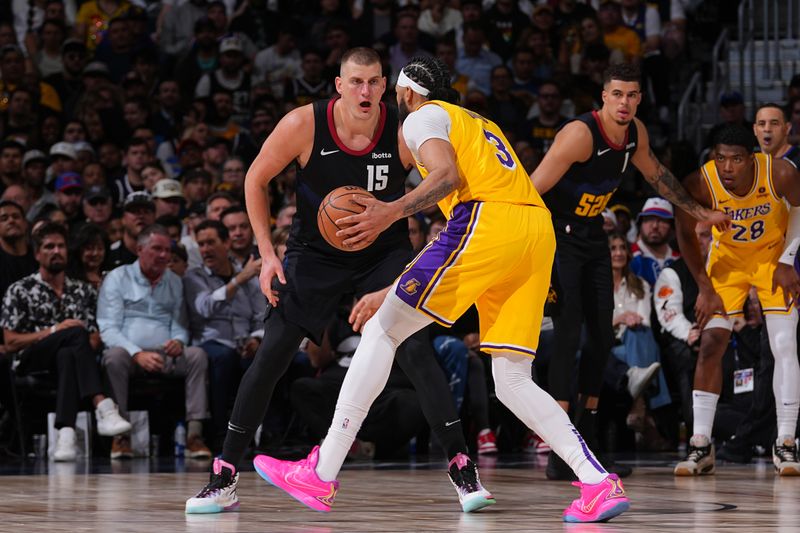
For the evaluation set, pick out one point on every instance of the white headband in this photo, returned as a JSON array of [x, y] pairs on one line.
[[405, 81]]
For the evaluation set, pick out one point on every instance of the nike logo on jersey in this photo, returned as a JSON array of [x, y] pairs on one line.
[[324, 152], [601, 152], [448, 424]]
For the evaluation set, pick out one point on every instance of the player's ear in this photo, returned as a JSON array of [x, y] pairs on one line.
[[338, 83]]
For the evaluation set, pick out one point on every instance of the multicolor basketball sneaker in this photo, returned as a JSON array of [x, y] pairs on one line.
[[299, 479], [220, 493], [598, 503], [464, 476]]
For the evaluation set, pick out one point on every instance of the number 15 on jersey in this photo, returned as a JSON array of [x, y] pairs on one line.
[[377, 177]]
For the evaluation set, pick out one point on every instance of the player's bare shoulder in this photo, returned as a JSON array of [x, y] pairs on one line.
[[786, 180], [294, 134], [695, 184]]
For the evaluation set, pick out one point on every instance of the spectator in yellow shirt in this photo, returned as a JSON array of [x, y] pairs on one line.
[[615, 35], [92, 19]]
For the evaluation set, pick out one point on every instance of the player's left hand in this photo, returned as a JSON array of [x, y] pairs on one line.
[[366, 307], [718, 219], [786, 278], [366, 226]]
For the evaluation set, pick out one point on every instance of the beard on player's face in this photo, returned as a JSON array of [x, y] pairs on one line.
[[403, 111]]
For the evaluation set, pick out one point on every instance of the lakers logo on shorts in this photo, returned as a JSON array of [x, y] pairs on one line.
[[411, 286]]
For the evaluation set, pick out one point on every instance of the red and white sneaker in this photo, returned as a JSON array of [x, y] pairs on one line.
[[598, 503], [487, 442], [299, 479], [535, 444]]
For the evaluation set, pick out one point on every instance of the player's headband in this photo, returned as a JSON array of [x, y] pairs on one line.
[[405, 81]]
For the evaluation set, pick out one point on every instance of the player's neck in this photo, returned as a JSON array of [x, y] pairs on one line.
[[614, 130], [353, 131]]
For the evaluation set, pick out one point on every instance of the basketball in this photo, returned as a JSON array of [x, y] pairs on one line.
[[340, 203]]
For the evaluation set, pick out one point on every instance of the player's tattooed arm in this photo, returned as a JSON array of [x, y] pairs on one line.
[[429, 197], [668, 186]]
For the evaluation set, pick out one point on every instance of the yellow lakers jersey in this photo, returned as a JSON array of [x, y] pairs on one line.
[[759, 218], [489, 169]]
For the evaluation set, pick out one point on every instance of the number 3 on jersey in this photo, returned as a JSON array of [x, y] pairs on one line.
[[502, 154], [377, 177]]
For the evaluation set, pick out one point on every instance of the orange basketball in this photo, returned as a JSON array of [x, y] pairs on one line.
[[338, 204]]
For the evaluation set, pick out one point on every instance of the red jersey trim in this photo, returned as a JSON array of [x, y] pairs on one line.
[[609, 142], [338, 141]]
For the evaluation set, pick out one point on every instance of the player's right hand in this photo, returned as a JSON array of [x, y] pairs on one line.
[[707, 305], [366, 307], [271, 267], [718, 219], [785, 277]]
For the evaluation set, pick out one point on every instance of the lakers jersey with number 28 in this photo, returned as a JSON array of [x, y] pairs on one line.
[[746, 255]]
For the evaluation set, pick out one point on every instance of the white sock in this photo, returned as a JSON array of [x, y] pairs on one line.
[[366, 377], [541, 413], [782, 332], [704, 406]]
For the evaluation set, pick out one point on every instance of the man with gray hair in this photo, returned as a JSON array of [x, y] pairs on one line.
[[143, 323]]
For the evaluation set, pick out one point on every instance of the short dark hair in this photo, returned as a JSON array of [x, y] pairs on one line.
[[622, 72], [773, 105], [45, 230], [149, 231], [135, 141], [736, 135], [236, 208], [169, 221], [361, 55], [220, 194], [11, 203], [222, 231]]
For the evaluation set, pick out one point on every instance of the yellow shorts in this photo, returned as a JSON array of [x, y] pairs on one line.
[[498, 256], [734, 271]]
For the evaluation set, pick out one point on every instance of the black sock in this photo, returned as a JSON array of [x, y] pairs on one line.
[[451, 438]]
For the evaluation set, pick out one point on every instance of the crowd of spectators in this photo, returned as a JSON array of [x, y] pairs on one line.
[[131, 124]]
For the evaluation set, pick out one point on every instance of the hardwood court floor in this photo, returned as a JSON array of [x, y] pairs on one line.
[[750, 498]]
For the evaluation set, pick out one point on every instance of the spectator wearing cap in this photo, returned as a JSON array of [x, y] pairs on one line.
[[226, 314], [196, 186], [474, 60], [143, 323], [95, 75], [202, 58], [49, 325], [12, 75], [138, 212], [168, 197], [190, 155], [175, 37], [68, 191], [63, 158], [92, 19], [652, 252], [16, 256], [85, 154], [34, 170], [136, 157], [97, 208], [67, 82], [230, 76], [11, 153]]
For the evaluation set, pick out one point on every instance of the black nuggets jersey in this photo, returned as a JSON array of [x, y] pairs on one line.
[[585, 189], [377, 169]]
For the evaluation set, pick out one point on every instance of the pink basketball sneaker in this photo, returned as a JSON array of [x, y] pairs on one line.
[[299, 479], [598, 503]]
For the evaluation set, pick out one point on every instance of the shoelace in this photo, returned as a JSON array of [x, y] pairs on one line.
[[696, 453], [469, 477], [216, 483], [787, 454]]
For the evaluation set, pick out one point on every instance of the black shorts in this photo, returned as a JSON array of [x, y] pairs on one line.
[[315, 283]]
